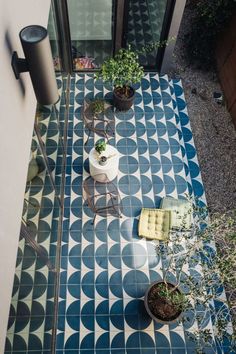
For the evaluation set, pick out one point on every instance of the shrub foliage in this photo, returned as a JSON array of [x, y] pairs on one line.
[[210, 19]]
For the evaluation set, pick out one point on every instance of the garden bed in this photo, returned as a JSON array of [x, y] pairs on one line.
[[213, 129]]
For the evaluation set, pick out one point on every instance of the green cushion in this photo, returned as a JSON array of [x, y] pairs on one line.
[[181, 212], [154, 224]]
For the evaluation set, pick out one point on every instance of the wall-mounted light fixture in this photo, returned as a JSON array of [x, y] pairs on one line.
[[38, 61]]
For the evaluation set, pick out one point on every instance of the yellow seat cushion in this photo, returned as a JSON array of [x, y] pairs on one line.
[[154, 224]]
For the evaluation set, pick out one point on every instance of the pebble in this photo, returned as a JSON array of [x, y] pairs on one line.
[[213, 130]]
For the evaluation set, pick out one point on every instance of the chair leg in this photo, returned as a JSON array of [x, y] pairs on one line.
[[93, 221], [88, 136], [36, 247], [112, 132], [107, 137], [107, 134]]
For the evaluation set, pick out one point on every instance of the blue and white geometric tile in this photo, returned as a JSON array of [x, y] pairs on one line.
[[106, 268]]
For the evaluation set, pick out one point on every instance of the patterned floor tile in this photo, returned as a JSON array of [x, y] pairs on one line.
[[105, 268], [108, 266]]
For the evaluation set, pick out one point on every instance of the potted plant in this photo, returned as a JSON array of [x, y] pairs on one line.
[[122, 71], [100, 147], [199, 283], [164, 302], [98, 106]]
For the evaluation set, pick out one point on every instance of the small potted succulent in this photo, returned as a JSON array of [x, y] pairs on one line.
[[100, 147], [122, 71], [98, 106]]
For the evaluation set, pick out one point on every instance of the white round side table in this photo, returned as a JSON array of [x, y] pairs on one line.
[[110, 168]]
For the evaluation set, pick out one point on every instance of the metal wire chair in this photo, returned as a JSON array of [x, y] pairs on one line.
[[103, 198], [39, 250], [100, 123]]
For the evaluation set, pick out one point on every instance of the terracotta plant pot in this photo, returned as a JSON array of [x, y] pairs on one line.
[[160, 319], [121, 101]]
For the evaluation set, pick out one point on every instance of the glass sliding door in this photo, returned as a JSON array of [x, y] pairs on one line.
[[84, 33], [91, 25], [145, 24]]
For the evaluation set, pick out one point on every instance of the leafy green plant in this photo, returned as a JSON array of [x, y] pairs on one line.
[[165, 301], [100, 146], [207, 278], [123, 70], [175, 298], [98, 106], [210, 19]]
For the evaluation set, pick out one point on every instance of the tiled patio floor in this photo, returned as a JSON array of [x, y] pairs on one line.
[[106, 267]]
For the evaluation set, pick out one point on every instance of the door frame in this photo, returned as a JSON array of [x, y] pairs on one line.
[[120, 7], [60, 8], [178, 11], [167, 20]]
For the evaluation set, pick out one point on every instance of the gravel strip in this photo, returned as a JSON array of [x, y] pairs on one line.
[[213, 129]]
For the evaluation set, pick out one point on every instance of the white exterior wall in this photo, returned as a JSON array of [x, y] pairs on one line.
[[17, 111]]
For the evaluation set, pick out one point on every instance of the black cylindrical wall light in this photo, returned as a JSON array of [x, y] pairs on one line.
[[38, 61]]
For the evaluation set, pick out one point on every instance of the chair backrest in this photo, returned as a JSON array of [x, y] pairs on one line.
[[88, 186], [99, 195], [92, 188], [87, 113]]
